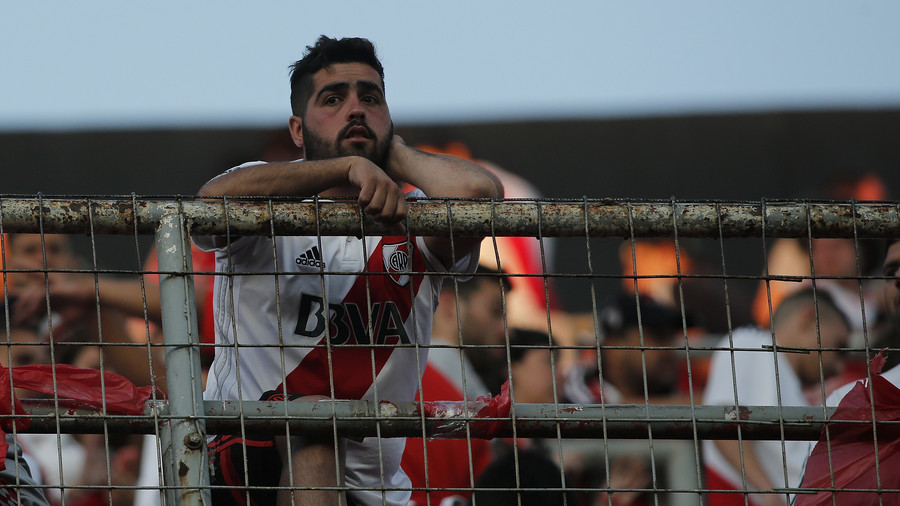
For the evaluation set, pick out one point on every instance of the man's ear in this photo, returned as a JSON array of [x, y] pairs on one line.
[[295, 125]]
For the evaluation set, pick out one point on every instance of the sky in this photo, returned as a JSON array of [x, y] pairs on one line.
[[99, 64]]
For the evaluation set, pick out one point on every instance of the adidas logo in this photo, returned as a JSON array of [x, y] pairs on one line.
[[312, 258]]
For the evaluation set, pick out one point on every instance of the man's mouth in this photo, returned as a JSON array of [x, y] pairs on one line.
[[358, 133]]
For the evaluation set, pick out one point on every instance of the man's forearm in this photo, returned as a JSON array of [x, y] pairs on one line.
[[303, 178], [129, 296], [750, 467], [443, 175]]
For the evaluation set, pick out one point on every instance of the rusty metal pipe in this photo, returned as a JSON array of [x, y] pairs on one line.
[[556, 218]]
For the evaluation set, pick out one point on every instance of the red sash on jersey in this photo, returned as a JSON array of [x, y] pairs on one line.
[[394, 273]]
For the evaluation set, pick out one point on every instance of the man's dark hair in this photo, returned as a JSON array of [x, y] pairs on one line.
[[521, 341], [325, 53], [806, 297], [540, 479]]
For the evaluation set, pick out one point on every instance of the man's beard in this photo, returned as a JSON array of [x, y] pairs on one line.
[[318, 148]]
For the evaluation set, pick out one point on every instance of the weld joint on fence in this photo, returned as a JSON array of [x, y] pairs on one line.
[[786, 349]]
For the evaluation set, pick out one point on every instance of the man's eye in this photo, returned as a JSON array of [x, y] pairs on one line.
[[332, 100], [370, 99]]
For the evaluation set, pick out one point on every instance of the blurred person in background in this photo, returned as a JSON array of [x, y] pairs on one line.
[[469, 315], [530, 470], [838, 264], [22, 346], [535, 375], [638, 359], [77, 309], [526, 259], [472, 315], [638, 363], [674, 275], [83, 456], [17, 484], [745, 371], [67, 334], [864, 473]]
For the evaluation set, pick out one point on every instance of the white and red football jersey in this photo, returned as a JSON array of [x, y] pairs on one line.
[[284, 304]]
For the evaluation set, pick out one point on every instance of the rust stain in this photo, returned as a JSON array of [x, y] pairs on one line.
[[182, 469]]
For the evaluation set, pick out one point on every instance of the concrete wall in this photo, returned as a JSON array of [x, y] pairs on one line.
[[735, 157]]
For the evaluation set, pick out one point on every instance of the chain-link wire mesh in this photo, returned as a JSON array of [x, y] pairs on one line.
[[694, 379]]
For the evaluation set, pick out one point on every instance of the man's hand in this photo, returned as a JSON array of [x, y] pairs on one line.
[[379, 195], [443, 176], [30, 290], [72, 298], [626, 472]]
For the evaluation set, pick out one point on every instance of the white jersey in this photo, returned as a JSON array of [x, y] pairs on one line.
[[275, 327], [755, 376]]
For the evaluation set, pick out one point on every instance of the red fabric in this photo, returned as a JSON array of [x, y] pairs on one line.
[[715, 482], [448, 459], [84, 385], [230, 478], [852, 456], [486, 406], [497, 406]]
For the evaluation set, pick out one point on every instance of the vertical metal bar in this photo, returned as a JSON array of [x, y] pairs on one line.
[[682, 475], [185, 457], [165, 448]]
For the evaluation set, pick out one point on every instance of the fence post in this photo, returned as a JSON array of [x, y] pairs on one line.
[[186, 468]]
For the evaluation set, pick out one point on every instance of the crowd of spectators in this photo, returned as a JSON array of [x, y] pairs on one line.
[[503, 325]]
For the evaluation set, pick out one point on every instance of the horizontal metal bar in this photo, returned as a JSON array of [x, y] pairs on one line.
[[547, 218], [365, 419]]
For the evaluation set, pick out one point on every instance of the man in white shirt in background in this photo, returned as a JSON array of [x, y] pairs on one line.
[[864, 469], [754, 375]]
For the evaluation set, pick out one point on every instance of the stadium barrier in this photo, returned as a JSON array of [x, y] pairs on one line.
[[182, 421]]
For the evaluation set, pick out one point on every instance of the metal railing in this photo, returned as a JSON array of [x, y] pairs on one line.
[[183, 420]]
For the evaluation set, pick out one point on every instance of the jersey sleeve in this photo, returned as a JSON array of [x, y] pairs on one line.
[[220, 242]]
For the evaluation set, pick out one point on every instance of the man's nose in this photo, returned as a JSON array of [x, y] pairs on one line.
[[355, 109]]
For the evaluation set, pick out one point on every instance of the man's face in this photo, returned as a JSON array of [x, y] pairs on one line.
[[29, 250], [892, 285], [481, 315], [346, 115], [832, 334], [481, 324], [26, 348], [533, 377], [661, 364]]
